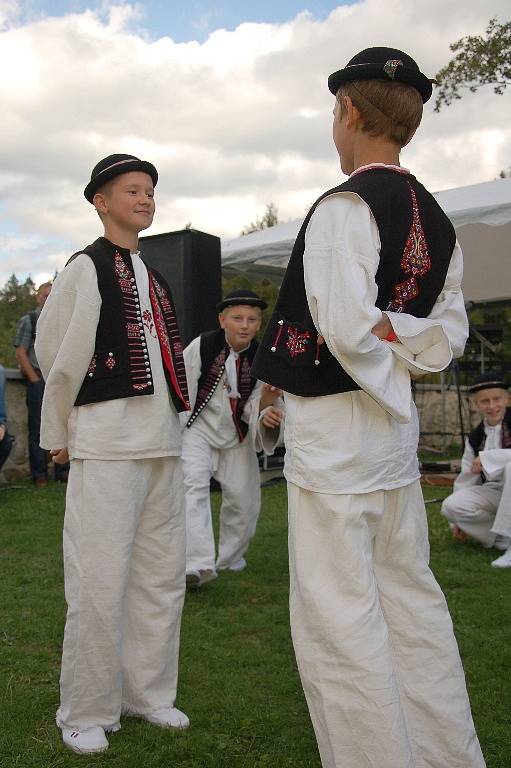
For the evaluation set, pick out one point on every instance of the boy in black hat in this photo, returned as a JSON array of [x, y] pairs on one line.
[[220, 436], [371, 295], [109, 349], [480, 505]]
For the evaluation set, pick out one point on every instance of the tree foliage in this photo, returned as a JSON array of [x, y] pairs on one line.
[[479, 60], [16, 299], [269, 219]]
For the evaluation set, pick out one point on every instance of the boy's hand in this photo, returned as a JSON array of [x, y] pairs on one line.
[[268, 396], [272, 417], [383, 328], [477, 467], [59, 455]]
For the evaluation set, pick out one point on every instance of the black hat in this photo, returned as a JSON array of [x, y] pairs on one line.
[[380, 64], [488, 380], [241, 296], [114, 165]]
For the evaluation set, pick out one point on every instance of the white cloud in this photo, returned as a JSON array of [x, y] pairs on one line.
[[235, 122]]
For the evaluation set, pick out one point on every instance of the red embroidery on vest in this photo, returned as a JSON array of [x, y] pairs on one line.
[[415, 262], [110, 361], [92, 366], [168, 335], [297, 341]]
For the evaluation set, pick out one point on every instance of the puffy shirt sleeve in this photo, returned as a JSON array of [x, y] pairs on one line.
[[65, 341]]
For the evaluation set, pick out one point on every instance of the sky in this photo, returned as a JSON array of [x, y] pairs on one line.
[[228, 100]]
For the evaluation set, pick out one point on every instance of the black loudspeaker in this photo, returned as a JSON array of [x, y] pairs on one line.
[[190, 262]]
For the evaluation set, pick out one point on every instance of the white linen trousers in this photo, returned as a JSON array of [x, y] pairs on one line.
[[373, 638], [124, 567], [237, 471], [483, 511]]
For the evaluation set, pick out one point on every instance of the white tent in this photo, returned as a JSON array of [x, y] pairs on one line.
[[481, 214]]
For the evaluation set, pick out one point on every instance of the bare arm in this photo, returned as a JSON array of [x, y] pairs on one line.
[[26, 367]]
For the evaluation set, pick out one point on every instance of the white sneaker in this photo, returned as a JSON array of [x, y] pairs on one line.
[[238, 566], [504, 561], [167, 717], [87, 741]]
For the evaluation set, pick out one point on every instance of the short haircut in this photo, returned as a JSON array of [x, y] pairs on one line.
[[387, 107], [44, 285]]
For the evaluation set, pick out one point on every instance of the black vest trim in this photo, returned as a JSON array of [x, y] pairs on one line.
[[120, 366], [417, 241], [214, 351]]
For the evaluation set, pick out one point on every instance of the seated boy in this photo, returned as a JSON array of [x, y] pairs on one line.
[[109, 349], [480, 505], [219, 437]]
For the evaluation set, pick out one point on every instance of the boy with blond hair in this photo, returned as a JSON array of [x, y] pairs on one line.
[[229, 410], [109, 349], [371, 296]]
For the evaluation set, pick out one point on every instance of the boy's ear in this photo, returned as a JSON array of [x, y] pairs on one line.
[[99, 202], [352, 113]]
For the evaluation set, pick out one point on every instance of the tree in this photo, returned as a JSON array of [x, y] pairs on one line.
[[269, 219], [479, 60], [16, 299]]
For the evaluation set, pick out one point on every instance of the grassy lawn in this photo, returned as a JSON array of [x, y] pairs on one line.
[[238, 681]]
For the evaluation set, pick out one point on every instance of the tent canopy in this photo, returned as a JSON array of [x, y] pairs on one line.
[[480, 213]]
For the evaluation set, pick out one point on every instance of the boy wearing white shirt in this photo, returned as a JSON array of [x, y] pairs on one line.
[[219, 437], [371, 295], [480, 505], [109, 349]]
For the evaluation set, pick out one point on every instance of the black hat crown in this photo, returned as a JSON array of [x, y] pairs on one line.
[[241, 296], [382, 63], [115, 165], [488, 380]]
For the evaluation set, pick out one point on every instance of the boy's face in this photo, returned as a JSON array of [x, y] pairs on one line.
[[127, 201], [492, 404], [240, 324], [343, 137]]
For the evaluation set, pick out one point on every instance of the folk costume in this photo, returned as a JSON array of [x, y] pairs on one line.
[[219, 441], [109, 348], [371, 630], [480, 504]]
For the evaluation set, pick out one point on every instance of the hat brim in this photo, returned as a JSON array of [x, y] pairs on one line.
[[497, 384], [242, 300], [117, 170], [374, 72]]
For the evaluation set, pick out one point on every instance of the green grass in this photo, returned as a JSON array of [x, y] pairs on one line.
[[238, 680]]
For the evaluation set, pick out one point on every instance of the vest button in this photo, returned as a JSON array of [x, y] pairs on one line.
[[273, 349]]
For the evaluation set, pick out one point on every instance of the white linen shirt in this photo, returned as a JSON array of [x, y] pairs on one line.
[[493, 458], [366, 440], [138, 427]]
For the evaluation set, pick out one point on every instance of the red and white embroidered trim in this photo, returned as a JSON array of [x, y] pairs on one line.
[[415, 261]]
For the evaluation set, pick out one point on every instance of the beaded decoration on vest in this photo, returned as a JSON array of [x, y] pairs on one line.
[[140, 369]]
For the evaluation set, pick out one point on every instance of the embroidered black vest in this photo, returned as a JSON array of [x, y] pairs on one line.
[[214, 351], [417, 240], [477, 438], [120, 366]]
